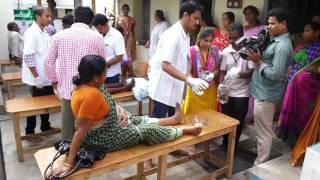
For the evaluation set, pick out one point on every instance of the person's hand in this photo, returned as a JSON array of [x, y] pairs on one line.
[[38, 82], [123, 120], [197, 84], [255, 56], [55, 85], [56, 92], [57, 172], [197, 92]]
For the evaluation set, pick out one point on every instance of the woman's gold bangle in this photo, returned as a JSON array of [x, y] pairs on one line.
[[66, 164]]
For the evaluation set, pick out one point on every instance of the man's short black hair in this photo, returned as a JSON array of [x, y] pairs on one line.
[[11, 26], [280, 14], [230, 16], [67, 19], [190, 7], [100, 19], [83, 15], [39, 11]]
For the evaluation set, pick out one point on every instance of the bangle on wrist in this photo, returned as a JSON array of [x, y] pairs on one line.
[[68, 165]]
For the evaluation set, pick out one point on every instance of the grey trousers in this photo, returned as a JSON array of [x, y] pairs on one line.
[[67, 117], [263, 119]]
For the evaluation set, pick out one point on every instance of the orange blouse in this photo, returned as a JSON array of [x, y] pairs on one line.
[[88, 102]]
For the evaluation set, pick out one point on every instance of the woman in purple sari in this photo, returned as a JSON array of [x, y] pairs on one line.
[[303, 88]]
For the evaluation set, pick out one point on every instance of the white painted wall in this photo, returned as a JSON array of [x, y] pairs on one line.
[[221, 7], [6, 16]]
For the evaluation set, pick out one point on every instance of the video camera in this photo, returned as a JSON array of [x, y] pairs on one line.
[[259, 41]]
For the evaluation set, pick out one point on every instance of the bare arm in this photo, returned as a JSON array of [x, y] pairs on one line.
[[83, 125], [172, 71], [222, 74], [114, 60]]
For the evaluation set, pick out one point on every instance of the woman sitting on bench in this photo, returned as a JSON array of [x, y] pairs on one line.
[[102, 124]]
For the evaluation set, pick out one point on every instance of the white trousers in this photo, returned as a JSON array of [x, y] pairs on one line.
[[263, 118]]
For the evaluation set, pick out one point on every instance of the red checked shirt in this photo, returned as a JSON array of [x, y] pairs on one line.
[[66, 50]]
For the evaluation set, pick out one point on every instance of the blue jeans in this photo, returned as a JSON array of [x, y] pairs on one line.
[[113, 79], [161, 110]]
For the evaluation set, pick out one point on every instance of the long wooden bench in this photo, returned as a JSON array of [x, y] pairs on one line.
[[216, 125], [29, 106], [10, 80]]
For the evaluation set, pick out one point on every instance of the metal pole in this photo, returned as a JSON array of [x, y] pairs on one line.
[[2, 167]]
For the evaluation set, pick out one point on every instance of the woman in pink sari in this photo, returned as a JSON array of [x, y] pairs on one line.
[[303, 88]]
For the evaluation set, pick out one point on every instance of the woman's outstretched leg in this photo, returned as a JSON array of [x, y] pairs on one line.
[[176, 119]]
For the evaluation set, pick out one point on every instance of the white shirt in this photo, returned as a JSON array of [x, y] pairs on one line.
[[36, 42], [173, 47], [115, 46], [231, 58], [15, 44], [155, 36]]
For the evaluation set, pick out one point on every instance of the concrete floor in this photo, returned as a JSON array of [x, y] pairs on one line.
[[276, 169]]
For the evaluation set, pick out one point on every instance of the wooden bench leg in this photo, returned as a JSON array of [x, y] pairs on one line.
[[162, 167], [206, 151], [10, 90], [140, 171], [230, 153], [150, 110], [17, 135], [140, 108]]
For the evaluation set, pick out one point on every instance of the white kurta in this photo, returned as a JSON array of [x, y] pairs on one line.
[[173, 47], [36, 42], [115, 46], [155, 36]]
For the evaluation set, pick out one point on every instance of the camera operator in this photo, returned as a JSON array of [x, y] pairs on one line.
[[269, 79]]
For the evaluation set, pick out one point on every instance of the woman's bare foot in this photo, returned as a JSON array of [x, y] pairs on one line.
[[148, 165], [178, 117], [194, 130]]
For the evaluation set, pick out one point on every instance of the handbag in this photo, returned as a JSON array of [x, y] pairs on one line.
[[85, 158]]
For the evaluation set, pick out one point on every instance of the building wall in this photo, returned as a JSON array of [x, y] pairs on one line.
[[6, 16], [220, 6]]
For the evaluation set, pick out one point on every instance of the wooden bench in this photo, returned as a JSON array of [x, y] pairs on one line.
[[217, 125], [10, 80], [6, 63], [29, 106]]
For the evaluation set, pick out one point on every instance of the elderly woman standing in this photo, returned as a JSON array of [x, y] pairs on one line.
[[158, 29], [127, 23]]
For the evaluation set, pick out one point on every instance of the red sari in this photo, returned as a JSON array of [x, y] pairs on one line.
[[220, 40]]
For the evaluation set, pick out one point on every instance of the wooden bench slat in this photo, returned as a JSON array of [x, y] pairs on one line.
[[11, 76], [32, 103]]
